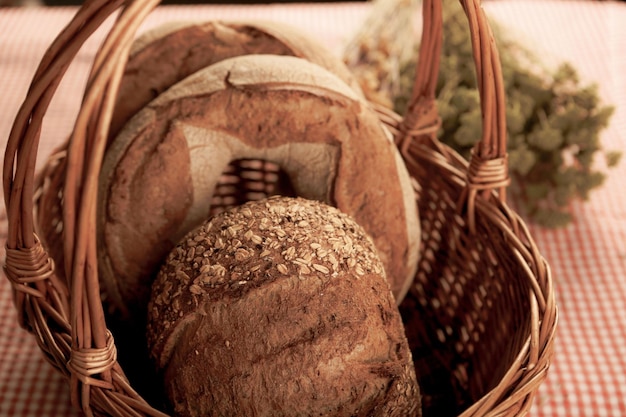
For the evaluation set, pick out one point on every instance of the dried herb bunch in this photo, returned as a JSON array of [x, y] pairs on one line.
[[554, 119]]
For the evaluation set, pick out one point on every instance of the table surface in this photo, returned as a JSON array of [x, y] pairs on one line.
[[588, 257]]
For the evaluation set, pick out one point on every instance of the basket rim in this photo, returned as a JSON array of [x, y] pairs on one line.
[[74, 306]]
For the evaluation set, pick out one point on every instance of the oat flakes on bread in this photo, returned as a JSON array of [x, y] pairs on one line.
[[280, 307]]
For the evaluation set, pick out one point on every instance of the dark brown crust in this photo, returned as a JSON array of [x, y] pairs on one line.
[[303, 322], [174, 55], [139, 250]]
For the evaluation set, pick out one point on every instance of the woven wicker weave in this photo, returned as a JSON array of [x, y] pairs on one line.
[[480, 316]]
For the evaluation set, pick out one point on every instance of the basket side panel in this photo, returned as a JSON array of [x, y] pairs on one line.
[[465, 316]]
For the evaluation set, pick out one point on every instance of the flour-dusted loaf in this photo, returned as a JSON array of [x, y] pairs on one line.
[[170, 52], [166, 54], [280, 307], [159, 174]]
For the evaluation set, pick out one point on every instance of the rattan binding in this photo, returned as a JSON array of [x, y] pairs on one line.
[[481, 313]]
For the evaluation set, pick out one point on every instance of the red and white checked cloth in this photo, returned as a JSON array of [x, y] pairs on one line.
[[588, 258]]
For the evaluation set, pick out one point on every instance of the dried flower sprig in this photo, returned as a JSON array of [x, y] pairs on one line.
[[554, 120]]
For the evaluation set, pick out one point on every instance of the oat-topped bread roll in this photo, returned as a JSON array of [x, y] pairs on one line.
[[159, 175], [280, 307], [170, 52]]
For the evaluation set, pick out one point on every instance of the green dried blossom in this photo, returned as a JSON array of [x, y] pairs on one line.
[[522, 159], [554, 122], [613, 158]]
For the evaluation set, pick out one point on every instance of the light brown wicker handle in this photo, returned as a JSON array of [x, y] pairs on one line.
[[75, 306], [488, 165]]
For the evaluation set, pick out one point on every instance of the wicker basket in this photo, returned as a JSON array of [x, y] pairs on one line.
[[480, 316]]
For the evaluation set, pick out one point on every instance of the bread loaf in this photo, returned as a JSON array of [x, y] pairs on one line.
[[165, 55], [170, 52], [159, 174], [280, 307]]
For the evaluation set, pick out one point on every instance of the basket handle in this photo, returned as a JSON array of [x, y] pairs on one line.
[[487, 170], [75, 306], [92, 351]]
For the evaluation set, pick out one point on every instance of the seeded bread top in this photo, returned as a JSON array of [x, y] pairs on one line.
[[250, 246]]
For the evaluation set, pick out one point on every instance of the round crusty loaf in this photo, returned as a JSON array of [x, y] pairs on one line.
[[170, 52], [280, 307], [159, 174]]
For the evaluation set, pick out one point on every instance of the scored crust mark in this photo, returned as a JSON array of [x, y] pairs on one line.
[[303, 163], [281, 109], [283, 293]]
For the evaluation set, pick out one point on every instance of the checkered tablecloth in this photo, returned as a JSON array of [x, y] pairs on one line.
[[588, 258]]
